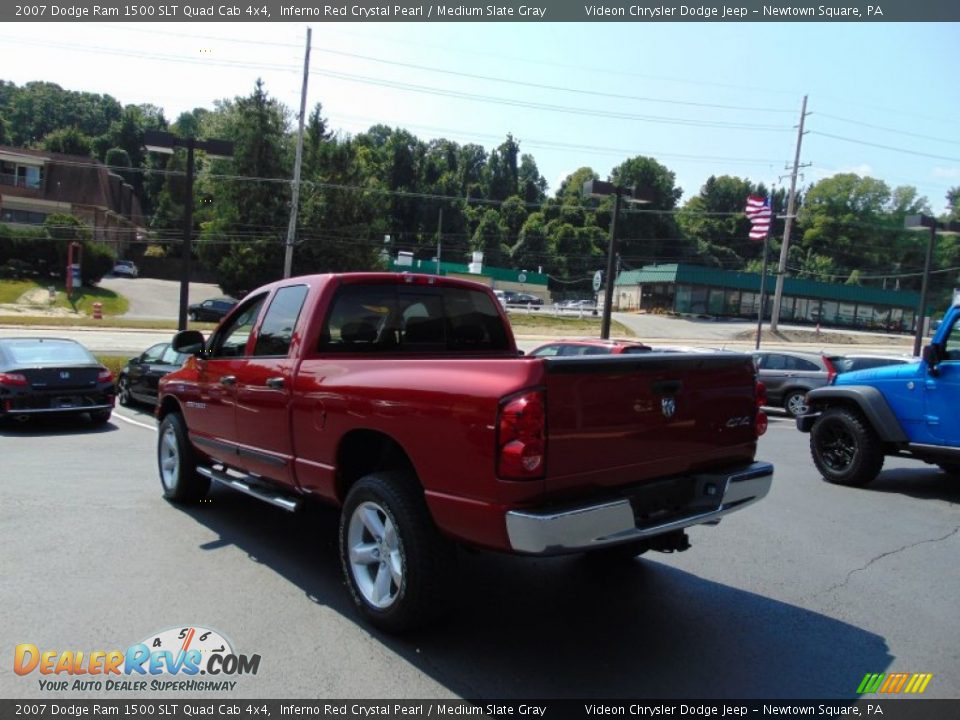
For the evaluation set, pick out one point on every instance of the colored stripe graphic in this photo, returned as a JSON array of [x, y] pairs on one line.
[[894, 683]]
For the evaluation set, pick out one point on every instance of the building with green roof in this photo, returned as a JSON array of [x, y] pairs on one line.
[[696, 290]]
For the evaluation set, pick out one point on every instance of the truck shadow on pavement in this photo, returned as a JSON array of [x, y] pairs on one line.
[[564, 628]]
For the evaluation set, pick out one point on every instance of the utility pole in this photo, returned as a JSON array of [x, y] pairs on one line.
[[788, 224], [295, 199]]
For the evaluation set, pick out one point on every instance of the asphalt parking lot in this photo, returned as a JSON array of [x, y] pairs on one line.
[[798, 596]]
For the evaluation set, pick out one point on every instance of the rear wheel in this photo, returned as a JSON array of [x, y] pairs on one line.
[[177, 463], [845, 448], [397, 564], [795, 403]]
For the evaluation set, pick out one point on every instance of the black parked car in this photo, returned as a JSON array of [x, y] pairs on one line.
[[52, 376], [138, 380], [211, 310]]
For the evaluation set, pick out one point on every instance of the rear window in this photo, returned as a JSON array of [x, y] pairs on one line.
[[412, 319], [45, 352]]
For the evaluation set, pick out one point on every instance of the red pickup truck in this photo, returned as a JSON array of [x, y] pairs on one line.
[[403, 400]]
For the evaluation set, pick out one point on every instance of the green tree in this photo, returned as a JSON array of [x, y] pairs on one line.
[[252, 210], [648, 234], [69, 141], [715, 219]]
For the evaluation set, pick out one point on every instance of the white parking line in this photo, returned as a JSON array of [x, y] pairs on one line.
[[118, 416]]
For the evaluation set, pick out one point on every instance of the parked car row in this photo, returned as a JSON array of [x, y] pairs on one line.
[[790, 375]]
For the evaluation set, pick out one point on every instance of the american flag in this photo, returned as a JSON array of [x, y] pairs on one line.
[[760, 215]]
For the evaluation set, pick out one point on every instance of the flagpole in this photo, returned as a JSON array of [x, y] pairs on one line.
[[763, 288], [763, 269]]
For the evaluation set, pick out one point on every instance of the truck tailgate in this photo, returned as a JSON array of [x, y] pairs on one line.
[[620, 420]]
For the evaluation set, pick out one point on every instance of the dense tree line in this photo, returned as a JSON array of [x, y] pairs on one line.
[[358, 190]]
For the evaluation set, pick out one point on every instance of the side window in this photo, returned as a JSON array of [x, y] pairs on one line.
[[794, 363], [952, 343], [775, 362], [172, 357], [276, 330], [548, 351], [153, 354], [231, 340]]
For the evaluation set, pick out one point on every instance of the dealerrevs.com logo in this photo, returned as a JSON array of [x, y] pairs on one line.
[[173, 659], [894, 683]]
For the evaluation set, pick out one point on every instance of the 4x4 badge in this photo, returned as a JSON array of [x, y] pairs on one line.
[[668, 406]]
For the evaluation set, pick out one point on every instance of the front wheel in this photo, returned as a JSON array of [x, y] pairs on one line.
[[123, 391], [177, 463], [397, 564], [845, 448], [796, 403]]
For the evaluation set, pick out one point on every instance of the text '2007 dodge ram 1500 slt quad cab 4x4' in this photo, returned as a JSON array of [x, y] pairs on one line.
[[403, 400]]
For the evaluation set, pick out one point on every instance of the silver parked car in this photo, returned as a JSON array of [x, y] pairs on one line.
[[788, 376]]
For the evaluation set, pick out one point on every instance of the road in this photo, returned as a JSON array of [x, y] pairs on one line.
[[796, 597], [152, 299]]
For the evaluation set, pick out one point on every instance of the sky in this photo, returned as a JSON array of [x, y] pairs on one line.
[[702, 98]]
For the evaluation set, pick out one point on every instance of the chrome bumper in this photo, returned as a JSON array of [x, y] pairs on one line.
[[612, 523], [43, 411]]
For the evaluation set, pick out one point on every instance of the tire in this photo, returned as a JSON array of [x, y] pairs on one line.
[[795, 403], [951, 468], [177, 463], [845, 448], [385, 515], [100, 417], [123, 391]]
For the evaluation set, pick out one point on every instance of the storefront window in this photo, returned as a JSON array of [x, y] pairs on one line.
[[715, 304], [829, 312], [731, 302], [846, 313], [683, 298]]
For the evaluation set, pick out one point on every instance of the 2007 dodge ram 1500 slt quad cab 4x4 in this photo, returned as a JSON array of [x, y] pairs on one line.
[[402, 399]]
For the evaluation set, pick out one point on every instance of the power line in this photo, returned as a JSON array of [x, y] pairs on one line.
[[885, 147], [886, 129]]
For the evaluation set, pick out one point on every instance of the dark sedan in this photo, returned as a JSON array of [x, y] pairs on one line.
[[51, 376], [138, 380], [212, 310]]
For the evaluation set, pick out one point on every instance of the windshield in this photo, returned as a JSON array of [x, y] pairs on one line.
[[45, 352]]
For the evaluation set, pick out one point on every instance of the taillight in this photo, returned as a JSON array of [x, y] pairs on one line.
[[13, 379], [831, 370], [521, 437], [104, 376], [761, 422]]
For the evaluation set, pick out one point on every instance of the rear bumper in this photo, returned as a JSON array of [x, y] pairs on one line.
[[611, 523]]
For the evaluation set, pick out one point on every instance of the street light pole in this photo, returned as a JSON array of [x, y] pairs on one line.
[[599, 189], [164, 142], [186, 260]]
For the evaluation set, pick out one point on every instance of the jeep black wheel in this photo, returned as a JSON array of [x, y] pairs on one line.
[[845, 448], [398, 566], [123, 391]]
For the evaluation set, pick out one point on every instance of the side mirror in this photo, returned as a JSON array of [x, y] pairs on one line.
[[188, 341], [931, 356]]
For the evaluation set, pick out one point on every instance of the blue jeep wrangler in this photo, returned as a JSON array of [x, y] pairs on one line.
[[908, 410]]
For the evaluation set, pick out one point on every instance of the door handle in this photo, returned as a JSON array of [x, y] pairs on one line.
[[275, 382], [228, 380]]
